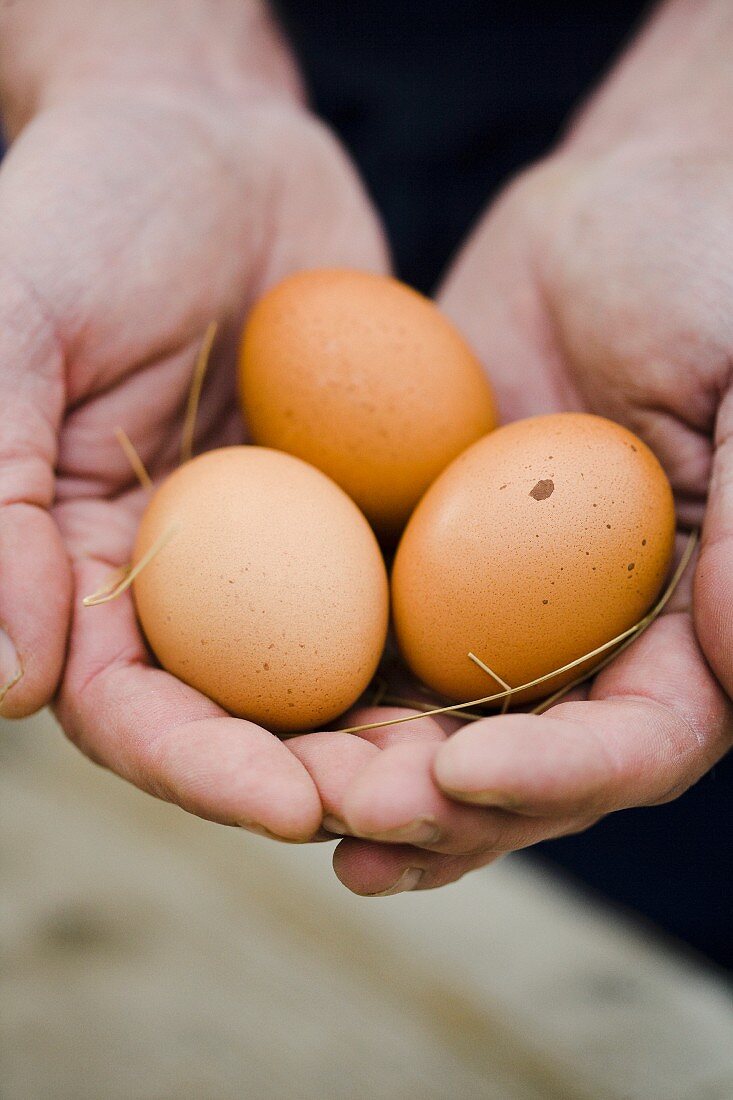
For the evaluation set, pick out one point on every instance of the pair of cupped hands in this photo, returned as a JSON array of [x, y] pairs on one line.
[[601, 279]]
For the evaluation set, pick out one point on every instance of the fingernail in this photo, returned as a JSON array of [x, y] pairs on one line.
[[420, 831], [499, 799], [260, 830], [335, 825], [10, 666], [408, 880]]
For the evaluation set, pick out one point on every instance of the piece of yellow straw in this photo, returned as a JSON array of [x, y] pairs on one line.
[[133, 458], [112, 590], [627, 636], [194, 394]]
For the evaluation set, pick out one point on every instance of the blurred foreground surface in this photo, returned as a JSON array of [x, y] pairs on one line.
[[145, 955]]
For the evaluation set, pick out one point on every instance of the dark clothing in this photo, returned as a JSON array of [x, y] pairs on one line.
[[439, 103]]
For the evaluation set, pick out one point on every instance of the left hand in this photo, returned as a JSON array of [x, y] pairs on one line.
[[600, 283]]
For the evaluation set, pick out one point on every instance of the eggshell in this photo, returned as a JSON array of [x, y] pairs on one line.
[[540, 543], [271, 594], [364, 378]]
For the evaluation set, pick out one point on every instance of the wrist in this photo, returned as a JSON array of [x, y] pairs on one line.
[[53, 49]]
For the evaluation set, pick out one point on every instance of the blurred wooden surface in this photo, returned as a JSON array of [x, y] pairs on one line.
[[145, 955]]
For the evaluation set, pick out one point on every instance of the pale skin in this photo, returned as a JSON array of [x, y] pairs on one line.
[[138, 201], [601, 280]]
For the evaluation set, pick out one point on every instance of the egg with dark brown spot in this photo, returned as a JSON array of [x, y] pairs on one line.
[[541, 542]]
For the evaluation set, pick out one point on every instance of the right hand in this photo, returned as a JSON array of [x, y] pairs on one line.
[[131, 217]]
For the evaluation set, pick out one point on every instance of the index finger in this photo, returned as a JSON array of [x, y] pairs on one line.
[[167, 738], [335, 760], [655, 722]]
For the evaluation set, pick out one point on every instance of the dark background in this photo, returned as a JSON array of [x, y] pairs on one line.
[[439, 103]]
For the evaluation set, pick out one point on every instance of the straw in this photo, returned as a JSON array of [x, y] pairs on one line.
[[627, 636]]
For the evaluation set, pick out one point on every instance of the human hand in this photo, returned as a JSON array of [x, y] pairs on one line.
[[133, 211], [603, 284]]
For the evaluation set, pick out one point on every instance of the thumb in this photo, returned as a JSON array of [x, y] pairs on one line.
[[713, 593], [35, 578]]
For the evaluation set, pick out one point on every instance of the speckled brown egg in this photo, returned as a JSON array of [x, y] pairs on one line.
[[270, 595], [367, 380], [540, 543]]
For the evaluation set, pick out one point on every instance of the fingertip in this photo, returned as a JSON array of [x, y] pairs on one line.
[[391, 791], [381, 870], [375, 870], [35, 606], [479, 763], [232, 771], [332, 760]]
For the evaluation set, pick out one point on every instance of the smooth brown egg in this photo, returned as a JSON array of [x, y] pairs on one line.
[[541, 542], [364, 378], [270, 595]]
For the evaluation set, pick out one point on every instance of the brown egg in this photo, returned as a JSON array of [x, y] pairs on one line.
[[270, 596], [540, 543], [367, 380]]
